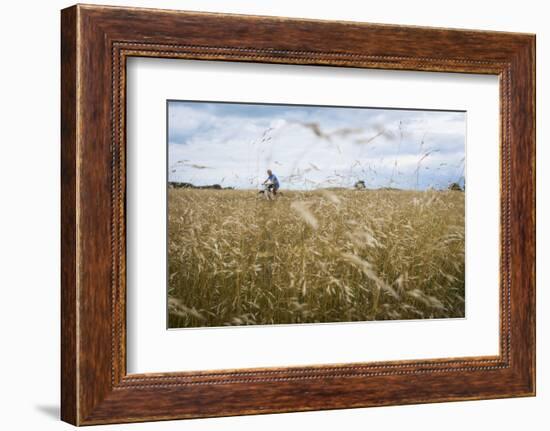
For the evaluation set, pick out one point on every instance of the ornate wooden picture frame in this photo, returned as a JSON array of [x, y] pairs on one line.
[[96, 41]]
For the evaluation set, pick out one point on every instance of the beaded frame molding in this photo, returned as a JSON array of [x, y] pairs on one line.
[[95, 43]]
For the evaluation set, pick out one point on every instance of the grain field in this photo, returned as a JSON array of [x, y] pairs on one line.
[[336, 255]]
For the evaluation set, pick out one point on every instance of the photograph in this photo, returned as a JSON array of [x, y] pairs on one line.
[[293, 214], [274, 211]]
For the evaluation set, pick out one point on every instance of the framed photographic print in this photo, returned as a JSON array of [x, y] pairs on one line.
[[264, 214]]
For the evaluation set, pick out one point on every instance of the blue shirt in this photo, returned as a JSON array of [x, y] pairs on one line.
[[273, 180]]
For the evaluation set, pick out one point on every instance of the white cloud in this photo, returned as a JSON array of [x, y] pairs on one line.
[[234, 144]]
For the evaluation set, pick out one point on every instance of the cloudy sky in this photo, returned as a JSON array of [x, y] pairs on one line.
[[308, 147]]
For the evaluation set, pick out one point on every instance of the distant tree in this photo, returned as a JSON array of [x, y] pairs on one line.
[[455, 187], [360, 184]]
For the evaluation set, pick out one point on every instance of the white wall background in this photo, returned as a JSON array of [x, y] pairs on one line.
[[29, 214]]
